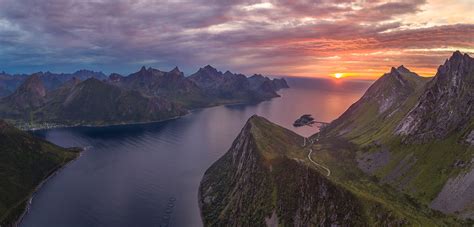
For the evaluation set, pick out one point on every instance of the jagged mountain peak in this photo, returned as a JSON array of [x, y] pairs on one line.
[[458, 62], [402, 68], [445, 106], [398, 78], [382, 100], [175, 70], [146, 74], [209, 67], [258, 76], [228, 73], [83, 71], [456, 55]]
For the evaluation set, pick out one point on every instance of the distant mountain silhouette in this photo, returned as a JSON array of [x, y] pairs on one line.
[[87, 97]]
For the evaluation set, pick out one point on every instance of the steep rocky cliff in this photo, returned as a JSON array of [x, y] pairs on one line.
[[266, 179], [446, 105]]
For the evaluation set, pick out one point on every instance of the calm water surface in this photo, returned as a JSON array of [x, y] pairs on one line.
[[148, 175]]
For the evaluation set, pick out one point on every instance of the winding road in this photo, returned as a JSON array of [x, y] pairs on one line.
[[310, 159]]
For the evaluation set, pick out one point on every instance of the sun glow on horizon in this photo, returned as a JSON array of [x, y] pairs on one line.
[[338, 75]]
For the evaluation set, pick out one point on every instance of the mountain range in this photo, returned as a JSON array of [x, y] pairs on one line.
[[401, 155], [91, 98]]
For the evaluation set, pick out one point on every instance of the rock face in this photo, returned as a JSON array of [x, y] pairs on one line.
[[257, 183], [470, 138], [446, 105], [457, 195]]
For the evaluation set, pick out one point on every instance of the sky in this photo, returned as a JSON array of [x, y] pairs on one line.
[[319, 38]]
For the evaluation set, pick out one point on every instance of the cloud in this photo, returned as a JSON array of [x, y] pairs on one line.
[[274, 37]]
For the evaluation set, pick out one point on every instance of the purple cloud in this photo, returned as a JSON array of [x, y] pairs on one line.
[[247, 36]]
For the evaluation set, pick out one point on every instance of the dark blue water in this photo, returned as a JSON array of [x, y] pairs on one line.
[[148, 175]]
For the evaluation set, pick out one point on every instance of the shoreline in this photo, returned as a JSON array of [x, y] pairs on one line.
[[100, 125], [136, 123], [40, 185]]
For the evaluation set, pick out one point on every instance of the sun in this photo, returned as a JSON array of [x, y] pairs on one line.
[[338, 75]]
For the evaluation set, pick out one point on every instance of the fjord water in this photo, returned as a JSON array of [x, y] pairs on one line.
[[148, 174]]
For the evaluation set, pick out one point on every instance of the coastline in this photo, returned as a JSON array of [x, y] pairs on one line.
[[99, 125], [53, 173], [25, 206], [135, 123]]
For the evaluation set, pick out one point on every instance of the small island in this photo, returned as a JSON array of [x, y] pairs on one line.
[[305, 120]]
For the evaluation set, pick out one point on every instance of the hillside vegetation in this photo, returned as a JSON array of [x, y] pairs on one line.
[[25, 161]]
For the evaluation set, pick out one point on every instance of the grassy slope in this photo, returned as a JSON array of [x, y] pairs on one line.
[[24, 162], [434, 161], [339, 155], [281, 149]]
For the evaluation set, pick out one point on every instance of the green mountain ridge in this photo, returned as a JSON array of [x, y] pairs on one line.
[[25, 161], [266, 179]]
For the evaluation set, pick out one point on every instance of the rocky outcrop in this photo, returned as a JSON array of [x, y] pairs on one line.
[[470, 138], [446, 106], [370, 162], [457, 195]]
